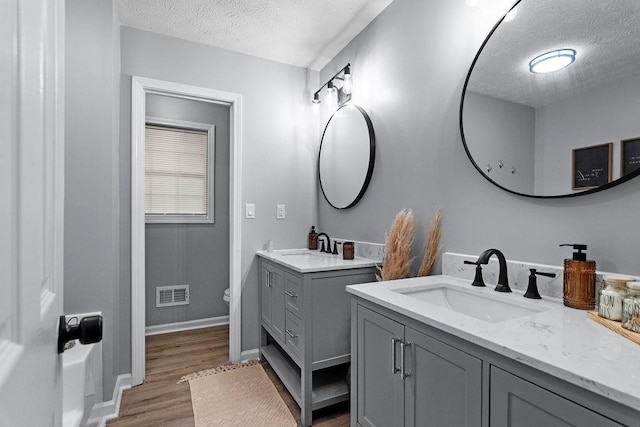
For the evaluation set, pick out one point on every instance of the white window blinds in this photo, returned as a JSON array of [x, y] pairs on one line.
[[175, 171]]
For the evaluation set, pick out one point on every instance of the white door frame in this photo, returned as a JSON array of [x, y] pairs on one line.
[[140, 86]]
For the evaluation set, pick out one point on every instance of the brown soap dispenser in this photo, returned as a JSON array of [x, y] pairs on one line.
[[313, 238], [579, 290]]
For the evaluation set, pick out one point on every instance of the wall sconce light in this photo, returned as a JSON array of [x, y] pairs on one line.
[[340, 83]]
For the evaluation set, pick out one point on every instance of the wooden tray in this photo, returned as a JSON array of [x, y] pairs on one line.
[[614, 326]]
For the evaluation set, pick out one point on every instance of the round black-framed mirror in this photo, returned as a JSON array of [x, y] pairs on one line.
[[346, 156], [562, 134]]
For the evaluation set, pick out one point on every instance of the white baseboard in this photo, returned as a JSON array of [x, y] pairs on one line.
[[186, 326], [104, 411], [250, 354]]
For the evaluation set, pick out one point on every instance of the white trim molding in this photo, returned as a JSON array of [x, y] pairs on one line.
[[250, 355], [140, 87], [109, 410], [186, 326]]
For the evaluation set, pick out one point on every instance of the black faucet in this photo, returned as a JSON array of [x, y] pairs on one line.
[[326, 249], [503, 281]]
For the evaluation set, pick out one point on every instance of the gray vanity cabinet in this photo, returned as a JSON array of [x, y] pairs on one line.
[[405, 377], [451, 382], [305, 331], [515, 402]]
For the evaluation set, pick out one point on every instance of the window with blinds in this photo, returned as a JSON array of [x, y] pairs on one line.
[[178, 174]]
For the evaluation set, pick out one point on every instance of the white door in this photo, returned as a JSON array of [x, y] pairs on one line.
[[31, 209]]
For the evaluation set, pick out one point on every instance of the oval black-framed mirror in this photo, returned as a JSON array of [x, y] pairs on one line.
[[548, 135], [346, 157]]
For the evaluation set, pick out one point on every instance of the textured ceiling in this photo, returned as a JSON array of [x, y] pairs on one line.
[[305, 33], [605, 33]]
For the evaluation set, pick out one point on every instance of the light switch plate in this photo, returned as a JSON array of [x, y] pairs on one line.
[[250, 211], [280, 212]]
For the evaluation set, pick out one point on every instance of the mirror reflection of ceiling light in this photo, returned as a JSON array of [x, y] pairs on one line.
[[552, 61]]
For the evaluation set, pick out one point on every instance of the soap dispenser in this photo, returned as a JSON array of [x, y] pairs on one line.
[[579, 289], [313, 238]]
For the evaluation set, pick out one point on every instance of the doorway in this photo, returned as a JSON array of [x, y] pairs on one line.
[[140, 87]]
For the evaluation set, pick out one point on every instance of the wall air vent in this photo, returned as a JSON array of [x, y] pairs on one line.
[[172, 295]]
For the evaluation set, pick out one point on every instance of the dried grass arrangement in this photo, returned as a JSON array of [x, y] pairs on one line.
[[433, 245], [399, 243]]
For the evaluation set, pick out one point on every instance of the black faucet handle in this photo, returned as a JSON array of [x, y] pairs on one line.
[[541, 273], [335, 247], [322, 248], [478, 279], [532, 288]]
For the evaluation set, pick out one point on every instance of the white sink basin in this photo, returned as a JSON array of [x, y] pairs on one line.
[[488, 308]]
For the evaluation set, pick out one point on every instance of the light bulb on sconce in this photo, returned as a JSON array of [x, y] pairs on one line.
[[346, 82], [331, 97]]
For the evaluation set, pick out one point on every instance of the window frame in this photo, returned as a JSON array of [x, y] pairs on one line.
[[211, 144]]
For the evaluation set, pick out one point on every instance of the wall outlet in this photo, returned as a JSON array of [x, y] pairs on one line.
[[250, 211], [280, 212]]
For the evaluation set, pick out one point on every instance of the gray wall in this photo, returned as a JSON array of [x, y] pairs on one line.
[[509, 139], [608, 114], [409, 67], [92, 242], [193, 254], [279, 143]]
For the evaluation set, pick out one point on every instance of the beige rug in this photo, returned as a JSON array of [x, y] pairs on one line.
[[237, 395]]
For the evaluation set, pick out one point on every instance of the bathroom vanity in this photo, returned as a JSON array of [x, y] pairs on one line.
[[305, 326], [436, 351]]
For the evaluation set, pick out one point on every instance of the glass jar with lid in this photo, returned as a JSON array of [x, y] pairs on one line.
[[611, 296], [631, 308]]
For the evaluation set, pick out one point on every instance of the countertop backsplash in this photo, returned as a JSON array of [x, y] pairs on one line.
[[372, 251], [518, 274]]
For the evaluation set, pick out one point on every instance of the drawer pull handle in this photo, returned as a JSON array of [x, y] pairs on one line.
[[394, 364], [291, 294], [291, 334]]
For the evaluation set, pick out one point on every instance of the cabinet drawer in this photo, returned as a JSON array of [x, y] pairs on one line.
[[293, 294], [515, 402], [294, 333]]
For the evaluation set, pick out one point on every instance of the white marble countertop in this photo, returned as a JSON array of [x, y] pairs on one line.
[[560, 341], [309, 261]]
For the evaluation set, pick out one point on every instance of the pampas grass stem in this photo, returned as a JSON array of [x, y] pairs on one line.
[[399, 243], [433, 245]]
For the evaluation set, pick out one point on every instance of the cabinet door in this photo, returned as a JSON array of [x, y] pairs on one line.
[[444, 386], [273, 312], [515, 402], [265, 294], [380, 390], [276, 282]]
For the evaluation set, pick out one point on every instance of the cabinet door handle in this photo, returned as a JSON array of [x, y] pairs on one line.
[[291, 334], [394, 365], [403, 371], [268, 278], [291, 294]]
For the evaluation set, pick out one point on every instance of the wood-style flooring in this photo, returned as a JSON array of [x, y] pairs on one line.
[[159, 401]]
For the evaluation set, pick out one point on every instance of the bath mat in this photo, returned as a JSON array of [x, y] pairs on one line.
[[236, 395]]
